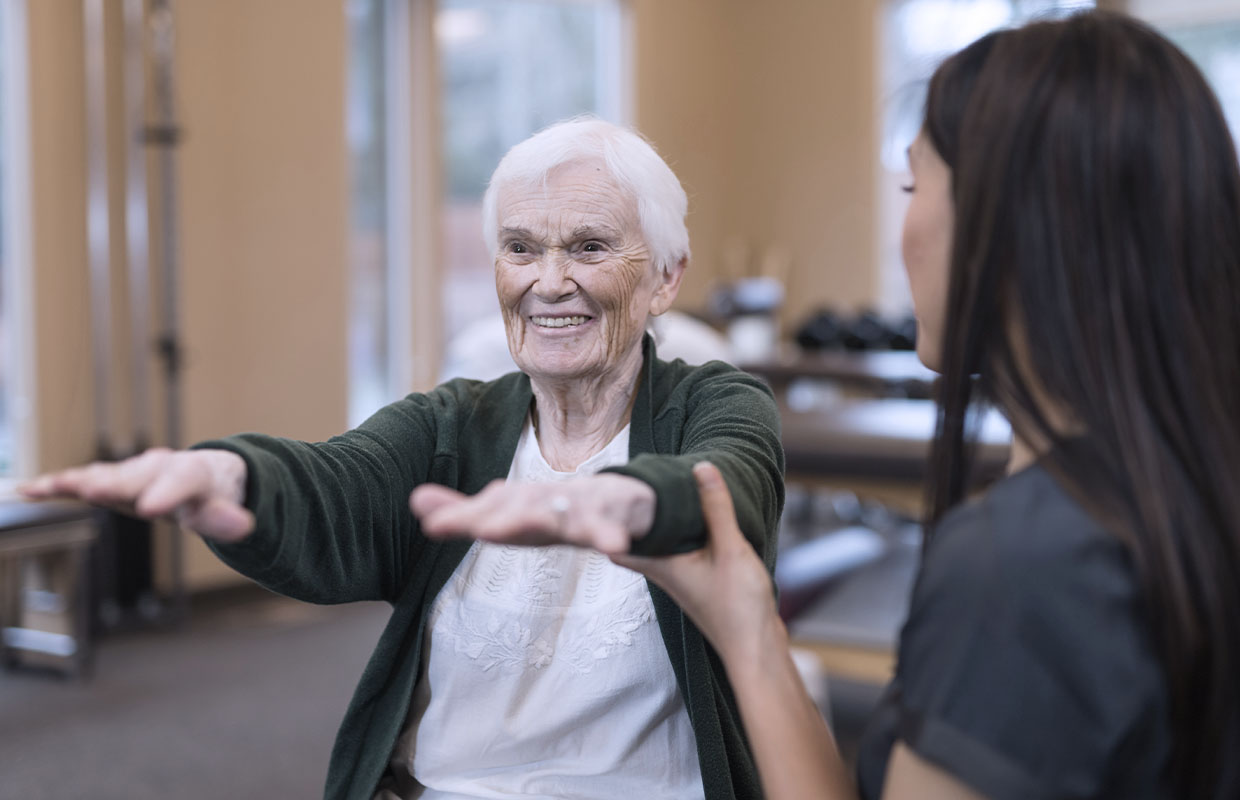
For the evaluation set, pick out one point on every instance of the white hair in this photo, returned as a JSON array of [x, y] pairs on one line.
[[632, 162]]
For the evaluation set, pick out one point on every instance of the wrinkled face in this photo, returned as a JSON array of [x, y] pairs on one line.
[[573, 273], [927, 245]]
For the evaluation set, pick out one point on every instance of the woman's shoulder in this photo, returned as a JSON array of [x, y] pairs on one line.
[[1028, 557], [1026, 648], [1026, 528]]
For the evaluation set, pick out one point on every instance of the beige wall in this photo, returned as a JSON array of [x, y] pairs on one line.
[[263, 193], [58, 202], [683, 96], [767, 112], [809, 153], [264, 214]]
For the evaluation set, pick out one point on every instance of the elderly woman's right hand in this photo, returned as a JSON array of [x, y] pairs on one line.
[[202, 489], [605, 512]]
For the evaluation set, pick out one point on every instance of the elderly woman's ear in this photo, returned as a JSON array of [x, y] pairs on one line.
[[665, 295]]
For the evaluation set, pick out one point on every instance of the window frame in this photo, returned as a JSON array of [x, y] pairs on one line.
[[414, 202], [16, 255], [891, 285], [410, 203], [1175, 14]]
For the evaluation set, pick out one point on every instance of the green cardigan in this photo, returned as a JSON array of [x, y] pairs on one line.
[[333, 526]]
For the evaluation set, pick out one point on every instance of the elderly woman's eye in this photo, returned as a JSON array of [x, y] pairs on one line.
[[517, 247], [593, 247]]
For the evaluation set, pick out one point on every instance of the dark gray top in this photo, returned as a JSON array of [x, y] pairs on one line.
[[1026, 668]]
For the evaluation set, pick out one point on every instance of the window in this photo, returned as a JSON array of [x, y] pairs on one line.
[[17, 428], [505, 69], [1209, 32], [916, 36], [1215, 47], [366, 133], [508, 68]]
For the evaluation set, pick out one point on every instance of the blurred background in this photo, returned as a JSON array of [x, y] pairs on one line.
[[230, 215]]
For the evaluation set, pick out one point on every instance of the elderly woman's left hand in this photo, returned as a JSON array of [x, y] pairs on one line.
[[605, 512]]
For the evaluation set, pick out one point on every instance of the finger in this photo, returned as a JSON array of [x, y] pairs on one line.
[[66, 485], [636, 563], [82, 483], [94, 482], [184, 479], [39, 488], [119, 484], [523, 513], [104, 484], [460, 519], [717, 509], [529, 515], [54, 484], [609, 538], [430, 497], [133, 475], [217, 518]]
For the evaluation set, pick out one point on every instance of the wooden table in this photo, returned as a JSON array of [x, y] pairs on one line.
[[879, 439], [881, 373]]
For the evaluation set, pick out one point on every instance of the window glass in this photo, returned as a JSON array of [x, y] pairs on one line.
[[916, 36], [365, 127], [507, 69]]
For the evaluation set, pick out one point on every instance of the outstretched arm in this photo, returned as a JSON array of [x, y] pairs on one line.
[[606, 512], [203, 490], [324, 522]]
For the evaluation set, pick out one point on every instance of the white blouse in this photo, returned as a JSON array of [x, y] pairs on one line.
[[546, 675]]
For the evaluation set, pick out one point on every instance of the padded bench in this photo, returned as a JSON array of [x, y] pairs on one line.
[[44, 584]]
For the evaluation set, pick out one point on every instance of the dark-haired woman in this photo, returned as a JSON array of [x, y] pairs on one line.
[[1073, 239]]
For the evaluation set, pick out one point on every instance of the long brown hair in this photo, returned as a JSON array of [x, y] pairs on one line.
[[1097, 255]]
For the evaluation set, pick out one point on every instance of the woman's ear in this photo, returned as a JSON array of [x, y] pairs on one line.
[[669, 286]]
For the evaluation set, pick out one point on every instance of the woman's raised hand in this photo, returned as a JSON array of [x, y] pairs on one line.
[[724, 587], [605, 512], [203, 490]]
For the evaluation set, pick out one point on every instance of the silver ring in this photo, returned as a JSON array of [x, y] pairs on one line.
[[560, 505]]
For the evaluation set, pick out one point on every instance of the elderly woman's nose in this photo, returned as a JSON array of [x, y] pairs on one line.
[[554, 276]]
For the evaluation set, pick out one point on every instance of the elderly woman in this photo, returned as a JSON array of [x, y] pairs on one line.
[[515, 671]]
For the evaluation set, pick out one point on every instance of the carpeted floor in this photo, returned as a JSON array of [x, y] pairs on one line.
[[242, 702]]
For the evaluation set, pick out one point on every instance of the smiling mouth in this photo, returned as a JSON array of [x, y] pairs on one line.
[[559, 322]]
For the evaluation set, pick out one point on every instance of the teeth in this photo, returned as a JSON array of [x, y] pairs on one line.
[[557, 322]]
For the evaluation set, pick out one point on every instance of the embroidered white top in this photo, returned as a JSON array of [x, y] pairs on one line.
[[546, 675]]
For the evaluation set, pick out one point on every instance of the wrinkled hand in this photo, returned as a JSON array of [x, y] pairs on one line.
[[203, 490], [724, 587], [605, 512]]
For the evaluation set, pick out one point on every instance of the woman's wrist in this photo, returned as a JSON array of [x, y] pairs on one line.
[[753, 651], [630, 502], [228, 472]]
